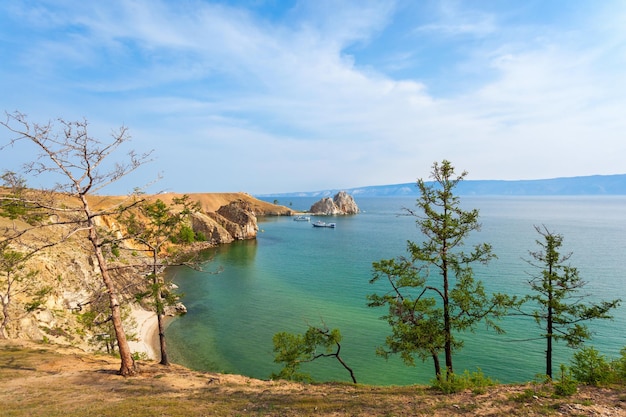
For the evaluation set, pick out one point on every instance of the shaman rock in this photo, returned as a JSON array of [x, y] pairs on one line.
[[345, 203], [342, 203]]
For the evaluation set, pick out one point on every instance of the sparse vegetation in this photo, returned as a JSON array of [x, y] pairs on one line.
[[292, 350], [71, 384], [475, 381]]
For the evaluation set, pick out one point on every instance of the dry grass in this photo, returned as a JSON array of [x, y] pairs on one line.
[[46, 380]]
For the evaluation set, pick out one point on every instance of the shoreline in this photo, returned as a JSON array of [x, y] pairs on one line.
[[147, 333]]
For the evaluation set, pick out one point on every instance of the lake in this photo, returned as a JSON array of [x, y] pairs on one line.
[[294, 274]]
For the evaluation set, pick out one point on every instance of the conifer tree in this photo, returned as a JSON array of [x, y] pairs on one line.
[[433, 294], [159, 224], [558, 305]]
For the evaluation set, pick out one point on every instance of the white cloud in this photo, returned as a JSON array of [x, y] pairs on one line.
[[223, 88]]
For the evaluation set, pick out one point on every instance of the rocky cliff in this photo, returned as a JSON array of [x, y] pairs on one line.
[[234, 221], [55, 302], [341, 204]]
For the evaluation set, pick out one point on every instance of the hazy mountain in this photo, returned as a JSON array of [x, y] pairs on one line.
[[588, 185]]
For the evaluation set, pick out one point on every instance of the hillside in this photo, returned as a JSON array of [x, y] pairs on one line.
[[586, 185], [210, 202], [63, 297], [48, 380]]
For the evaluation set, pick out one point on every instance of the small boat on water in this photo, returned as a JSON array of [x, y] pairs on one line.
[[301, 219], [320, 223]]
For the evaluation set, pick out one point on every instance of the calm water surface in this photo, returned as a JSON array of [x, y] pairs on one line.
[[293, 275]]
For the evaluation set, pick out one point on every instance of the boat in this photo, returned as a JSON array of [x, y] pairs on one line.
[[320, 223], [301, 219]]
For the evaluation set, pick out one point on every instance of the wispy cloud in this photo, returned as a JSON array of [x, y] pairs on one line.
[[253, 95]]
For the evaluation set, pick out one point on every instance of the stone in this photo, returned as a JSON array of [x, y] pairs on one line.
[[341, 204], [345, 203]]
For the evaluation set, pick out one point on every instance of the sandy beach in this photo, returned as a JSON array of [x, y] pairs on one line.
[[147, 333]]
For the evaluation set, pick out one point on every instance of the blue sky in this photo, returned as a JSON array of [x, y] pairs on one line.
[[277, 96]]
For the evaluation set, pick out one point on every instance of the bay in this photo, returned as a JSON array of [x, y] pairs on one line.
[[293, 275]]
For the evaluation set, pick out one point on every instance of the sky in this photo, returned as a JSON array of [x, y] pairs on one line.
[[270, 96]]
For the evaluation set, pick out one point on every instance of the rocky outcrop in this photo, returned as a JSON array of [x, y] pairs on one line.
[[214, 232], [69, 282], [240, 219], [342, 203], [345, 203], [234, 221]]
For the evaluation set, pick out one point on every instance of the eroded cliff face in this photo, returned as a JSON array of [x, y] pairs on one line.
[[341, 204], [67, 282], [234, 221]]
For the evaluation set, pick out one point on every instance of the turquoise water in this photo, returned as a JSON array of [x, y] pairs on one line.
[[293, 275]]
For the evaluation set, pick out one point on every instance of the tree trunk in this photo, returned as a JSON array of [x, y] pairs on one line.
[[127, 367], [447, 327], [549, 343], [549, 326], [344, 364], [5, 316], [158, 302], [160, 320], [6, 304], [437, 365]]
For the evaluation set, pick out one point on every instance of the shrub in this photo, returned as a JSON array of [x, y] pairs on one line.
[[619, 366], [476, 381], [184, 235], [590, 367], [566, 385]]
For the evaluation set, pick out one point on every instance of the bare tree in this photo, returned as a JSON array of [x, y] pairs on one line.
[[84, 166]]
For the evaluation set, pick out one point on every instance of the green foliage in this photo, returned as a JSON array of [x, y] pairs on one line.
[[433, 294], [87, 318], [184, 235], [158, 225], [143, 356], [39, 297], [619, 366], [566, 385], [541, 387], [591, 368], [476, 381], [15, 204], [15, 279], [560, 309], [292, 350], [95, 320]]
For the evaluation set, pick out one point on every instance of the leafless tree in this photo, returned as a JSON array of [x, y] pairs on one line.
[[84, 166]]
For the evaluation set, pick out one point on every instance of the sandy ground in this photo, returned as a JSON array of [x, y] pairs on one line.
[[147, 333]]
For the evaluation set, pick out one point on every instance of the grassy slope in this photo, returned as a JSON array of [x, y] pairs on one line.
[[47, 380]]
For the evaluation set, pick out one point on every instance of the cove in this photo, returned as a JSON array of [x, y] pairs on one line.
[[293, 275]]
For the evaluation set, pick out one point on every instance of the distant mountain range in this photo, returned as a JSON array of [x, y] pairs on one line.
[[587, 185]]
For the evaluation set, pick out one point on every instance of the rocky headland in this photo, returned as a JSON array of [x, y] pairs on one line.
[[341, 204], [61, 294]]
